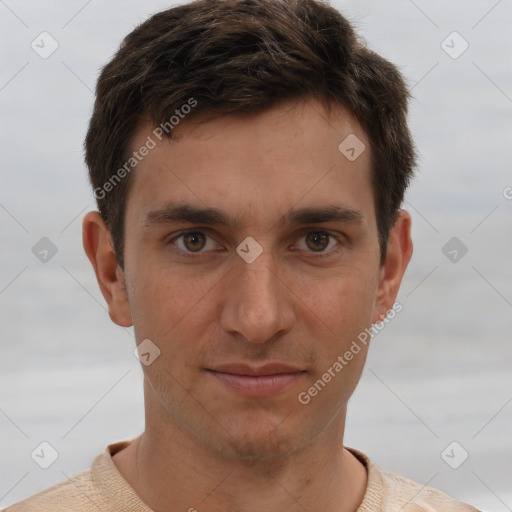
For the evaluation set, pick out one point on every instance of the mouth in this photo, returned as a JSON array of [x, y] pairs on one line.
[[260, 381]]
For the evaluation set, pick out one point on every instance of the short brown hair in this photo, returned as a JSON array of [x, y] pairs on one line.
[[242, 56]]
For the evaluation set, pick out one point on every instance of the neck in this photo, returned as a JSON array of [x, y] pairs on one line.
[[169, 467]]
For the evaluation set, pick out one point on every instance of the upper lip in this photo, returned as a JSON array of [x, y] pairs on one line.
[[245, 369]]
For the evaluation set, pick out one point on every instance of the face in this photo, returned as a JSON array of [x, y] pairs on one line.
[[251, 241]]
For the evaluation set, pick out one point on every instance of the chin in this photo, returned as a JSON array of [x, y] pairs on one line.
[[253, 441]]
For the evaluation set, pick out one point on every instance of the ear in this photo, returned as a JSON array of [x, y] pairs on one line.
[[98, 246], [398, 255]]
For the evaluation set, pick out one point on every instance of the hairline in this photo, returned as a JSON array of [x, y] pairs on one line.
[[329, 106]]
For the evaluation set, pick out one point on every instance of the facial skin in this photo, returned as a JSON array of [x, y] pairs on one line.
[[209, 308]]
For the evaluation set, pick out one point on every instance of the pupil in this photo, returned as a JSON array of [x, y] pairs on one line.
[[193, 238], [319, 237]]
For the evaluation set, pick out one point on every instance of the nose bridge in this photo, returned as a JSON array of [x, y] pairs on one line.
[[258, 278], [257, 303]]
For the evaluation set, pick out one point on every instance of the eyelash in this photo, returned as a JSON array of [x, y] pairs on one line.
[[319, 255]]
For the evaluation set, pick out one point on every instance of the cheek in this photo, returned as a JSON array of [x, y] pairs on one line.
[[341, 310], [341, 302], [171, 309]]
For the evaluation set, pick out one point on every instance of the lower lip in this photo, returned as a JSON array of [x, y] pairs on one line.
[[258, 385]]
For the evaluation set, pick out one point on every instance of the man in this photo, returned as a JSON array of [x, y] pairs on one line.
[[249, 159]]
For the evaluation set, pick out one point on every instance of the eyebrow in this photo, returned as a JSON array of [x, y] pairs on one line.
[[182, 212]]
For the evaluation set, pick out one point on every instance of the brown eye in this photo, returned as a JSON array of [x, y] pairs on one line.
[[320, 244], [194, 241], [194, 244], [317, 240]]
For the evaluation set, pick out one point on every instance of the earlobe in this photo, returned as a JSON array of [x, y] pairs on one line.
[[399, 253], [99, 249]]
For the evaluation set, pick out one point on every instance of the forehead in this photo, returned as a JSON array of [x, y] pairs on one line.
[[255, 164]]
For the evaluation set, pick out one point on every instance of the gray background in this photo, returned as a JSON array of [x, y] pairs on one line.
[[438, 373]]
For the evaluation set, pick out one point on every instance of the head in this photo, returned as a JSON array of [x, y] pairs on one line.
[[224, 57], [240, 109]]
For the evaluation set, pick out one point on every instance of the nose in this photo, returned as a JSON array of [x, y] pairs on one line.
[[258, 305]]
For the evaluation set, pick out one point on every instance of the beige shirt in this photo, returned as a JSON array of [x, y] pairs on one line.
[[102, 488]]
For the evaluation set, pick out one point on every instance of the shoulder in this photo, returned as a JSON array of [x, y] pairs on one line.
[[77, 493], [388, 492], [399, 491], [99, 488]]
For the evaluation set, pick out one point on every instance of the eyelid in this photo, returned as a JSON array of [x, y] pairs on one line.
[[338, 237], [170, 241], [303, 232]]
